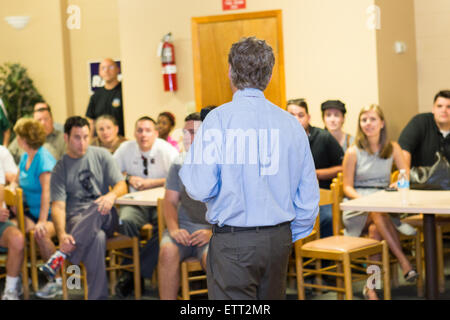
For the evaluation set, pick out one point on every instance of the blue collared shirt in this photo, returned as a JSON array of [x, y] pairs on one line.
[[251, 164]]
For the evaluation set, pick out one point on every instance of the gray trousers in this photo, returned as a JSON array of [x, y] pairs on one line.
[[90, 230], [247, 265]]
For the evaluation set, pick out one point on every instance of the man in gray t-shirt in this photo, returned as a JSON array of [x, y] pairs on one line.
[[82, 205], [187, 233]]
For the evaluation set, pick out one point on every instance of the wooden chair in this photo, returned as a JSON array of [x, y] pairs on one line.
[[191, 269], [116, 248], [442, 226], [347, 252], [15, 199], [81, 276], [314, 235]]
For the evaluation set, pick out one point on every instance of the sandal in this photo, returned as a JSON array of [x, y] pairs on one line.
[[411, 275]]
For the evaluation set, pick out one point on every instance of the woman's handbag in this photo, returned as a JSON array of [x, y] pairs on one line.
[[435, 177]]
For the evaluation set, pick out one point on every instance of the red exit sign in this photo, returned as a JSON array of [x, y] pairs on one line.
[[233, 4]]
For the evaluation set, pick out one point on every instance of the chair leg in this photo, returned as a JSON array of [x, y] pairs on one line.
[[394, 277], [137, 270], [33, 263], [300, 279], [184, 282], [339, 280], [418, 245], [113, 272], [85, 285], [319, 276], [26, 289], [386, 269], [64, 281], [348, 278], [440, 259]]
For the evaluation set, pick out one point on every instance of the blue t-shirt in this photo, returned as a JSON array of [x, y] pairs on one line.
[[29, 181]]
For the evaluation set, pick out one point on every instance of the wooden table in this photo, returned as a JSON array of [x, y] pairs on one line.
[[420, 201], [142, 198]]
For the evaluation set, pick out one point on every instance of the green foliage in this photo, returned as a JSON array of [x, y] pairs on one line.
[[17, 91]]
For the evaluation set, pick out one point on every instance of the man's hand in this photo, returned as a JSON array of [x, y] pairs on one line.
[[67, 243], [181, 236], [137, 182], [200, 237], [40, 230], [4, 214], [105, 203]]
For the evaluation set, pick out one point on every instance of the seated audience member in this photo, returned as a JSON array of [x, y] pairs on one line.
[[54, 141], [187, 232], [83, 207], [9, 165], [327, 154], [367, 169], [35, 168], [428, 133], [164, 125], [333, 116], [107, 133], [12, 239], [146, 162]]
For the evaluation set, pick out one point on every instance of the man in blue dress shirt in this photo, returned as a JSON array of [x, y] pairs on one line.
[[251, 164]]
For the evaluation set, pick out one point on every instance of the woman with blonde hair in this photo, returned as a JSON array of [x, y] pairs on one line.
[[35, 168], [367, 168]]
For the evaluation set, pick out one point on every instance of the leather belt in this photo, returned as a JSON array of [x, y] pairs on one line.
[[226, 229]]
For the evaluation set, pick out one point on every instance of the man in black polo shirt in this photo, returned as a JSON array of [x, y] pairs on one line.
[[107, 99], [327, 154], [427, 133]]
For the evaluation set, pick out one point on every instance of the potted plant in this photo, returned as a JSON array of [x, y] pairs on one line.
[[17, 91]]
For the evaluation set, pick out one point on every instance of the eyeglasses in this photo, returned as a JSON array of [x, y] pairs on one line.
[[145, 163]]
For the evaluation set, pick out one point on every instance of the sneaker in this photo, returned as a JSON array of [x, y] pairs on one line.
[[10, 295], [50, 290], [53, 264]]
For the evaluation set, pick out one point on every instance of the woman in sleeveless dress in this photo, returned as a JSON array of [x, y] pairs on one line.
[[367, 168]]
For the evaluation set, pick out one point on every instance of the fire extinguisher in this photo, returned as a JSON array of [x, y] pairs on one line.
[[166, 51]]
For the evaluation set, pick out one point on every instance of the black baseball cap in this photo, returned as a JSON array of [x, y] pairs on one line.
[[334, 104]]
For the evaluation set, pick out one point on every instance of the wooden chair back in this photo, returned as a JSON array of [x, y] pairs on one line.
[[14, 198], [161, 221], [394, 176], [337, 188]]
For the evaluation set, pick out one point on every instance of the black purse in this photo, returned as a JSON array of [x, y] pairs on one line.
[[435, 177]]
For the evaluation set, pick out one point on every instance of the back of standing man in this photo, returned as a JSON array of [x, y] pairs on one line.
[[107, 99], [252, 165]]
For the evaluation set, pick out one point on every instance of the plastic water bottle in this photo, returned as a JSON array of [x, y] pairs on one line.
[[403, 187]]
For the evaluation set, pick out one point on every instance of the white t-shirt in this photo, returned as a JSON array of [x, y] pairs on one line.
[[445, 133], [9, 166], [159, 158]]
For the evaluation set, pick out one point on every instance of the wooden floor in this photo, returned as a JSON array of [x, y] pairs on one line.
[[406, 291]]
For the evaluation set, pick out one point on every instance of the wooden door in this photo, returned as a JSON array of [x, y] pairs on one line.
[[212, 38]]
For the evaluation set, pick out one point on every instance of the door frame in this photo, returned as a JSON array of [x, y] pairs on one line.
[[196, 21]]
